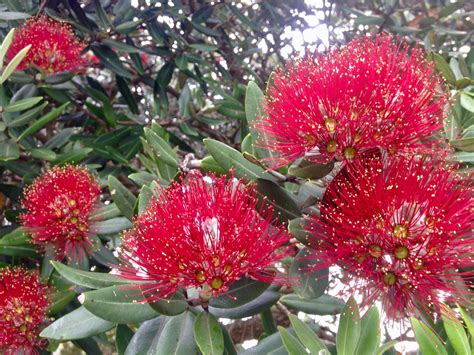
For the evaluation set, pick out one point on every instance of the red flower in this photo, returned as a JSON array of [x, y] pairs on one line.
[[202, 232], [367, 94], [58, 206], [400, 229], [23, 307], [55, 48]]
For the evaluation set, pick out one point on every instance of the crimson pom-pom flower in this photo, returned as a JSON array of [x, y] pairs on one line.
[[54, 47], [204, 232], [401, 230], [23, 306], [368, 94], [58, 206]]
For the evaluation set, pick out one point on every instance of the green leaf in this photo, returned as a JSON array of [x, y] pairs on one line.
[[170, 306], [464, 144], [27, 116], [285, 207], [60, 300], [119, 304], [78, 324], [310, 284], [428, 341], [147, 336], [105, 212], [43, 154], [161, 148], [24, 104], [306, 335], [95, 280], [467, 101], [43, 121], [370, 333], [165, 74], [15, 62], [208, 334], [122, 197], [292, 345], [239, 293], [385, 347], [227, 157], [457, 335], [5, 45], [177, 336], [253, 111], [110, 60], [348, 332], [308, 170], [324, 305], [111, 226], [297, 230], [9, 150], [255, 306], [144, 197], [443, 67], [203, 47], [209, 164], [123, 335], [74, 156]]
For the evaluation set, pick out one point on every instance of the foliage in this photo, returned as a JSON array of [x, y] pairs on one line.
[[174, 86]]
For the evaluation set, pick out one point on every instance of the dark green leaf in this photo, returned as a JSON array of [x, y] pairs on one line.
[[146, 338], [285, 207], [370, 333], [239, 293], [309, 170], [177, 336], [457, 335], [309, 284], [324, 305], [78, 324], [255, 306], [111, 226], [123, 198], [95, 280], [123, 335], [119, 304]]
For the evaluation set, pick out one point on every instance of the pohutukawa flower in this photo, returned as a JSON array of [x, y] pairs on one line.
[[54, 48], [203, 232], [23, 307], [58, 206], [367, 94], [400, 229]]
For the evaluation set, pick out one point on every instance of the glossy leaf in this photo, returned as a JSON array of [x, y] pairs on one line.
[[78, 324], [119, 304], [123, 336], [161, 148], [13, 64], [239, 293], [370, 333], [292, 345], [306, 335], [94, 280], [309, 284], [177, 336], [349, 330], [208, 334], [428, 341], [43, 121], [123, 198], [324, 305], [227, 157]]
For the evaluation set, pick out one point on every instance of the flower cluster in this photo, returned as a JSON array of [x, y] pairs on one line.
[[54, 49], [203, 232], [401, 229], [23, 307], [58, 207], [367, 94]]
